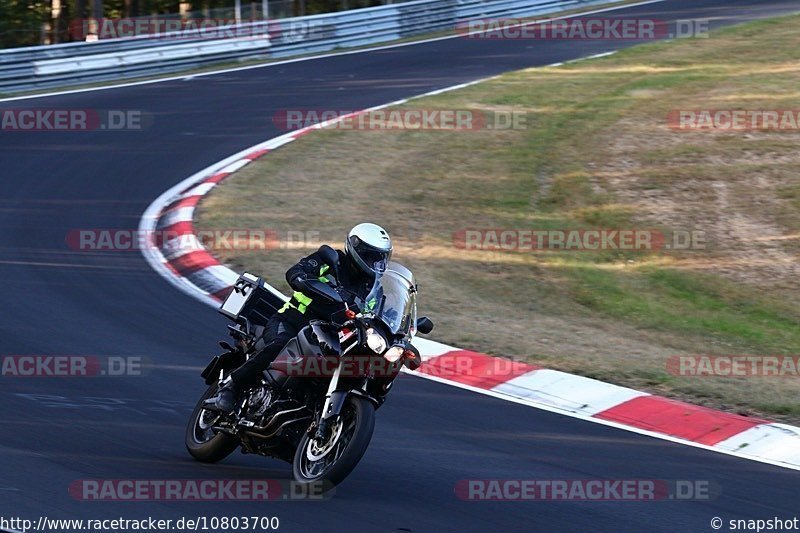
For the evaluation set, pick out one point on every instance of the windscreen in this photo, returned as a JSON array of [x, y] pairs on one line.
[[393, 300]]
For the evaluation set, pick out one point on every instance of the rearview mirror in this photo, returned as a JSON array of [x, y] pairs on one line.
[[328, 255], [424, 325]]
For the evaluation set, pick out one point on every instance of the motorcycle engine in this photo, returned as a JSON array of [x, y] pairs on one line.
[[259, 401]]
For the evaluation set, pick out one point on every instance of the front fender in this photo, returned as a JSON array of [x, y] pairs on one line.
[[338, 398]]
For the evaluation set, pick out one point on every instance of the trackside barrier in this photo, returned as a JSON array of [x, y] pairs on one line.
[[43, 67]]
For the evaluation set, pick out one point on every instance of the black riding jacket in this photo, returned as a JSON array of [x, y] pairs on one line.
[[353, 284]]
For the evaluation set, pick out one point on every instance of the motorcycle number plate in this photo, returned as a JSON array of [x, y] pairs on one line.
[[236, 300]]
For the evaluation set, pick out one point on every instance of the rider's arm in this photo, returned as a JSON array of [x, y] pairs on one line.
[[311, 267]]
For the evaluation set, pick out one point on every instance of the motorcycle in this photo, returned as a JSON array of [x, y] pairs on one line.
[[315, 405]]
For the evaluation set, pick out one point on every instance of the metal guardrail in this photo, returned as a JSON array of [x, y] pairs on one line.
[[42, 67]]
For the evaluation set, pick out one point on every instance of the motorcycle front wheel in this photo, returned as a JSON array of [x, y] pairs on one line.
[[203, 443], [331, 461]]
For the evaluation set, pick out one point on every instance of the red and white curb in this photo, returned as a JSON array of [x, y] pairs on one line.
[[182, 260], [187, 265]]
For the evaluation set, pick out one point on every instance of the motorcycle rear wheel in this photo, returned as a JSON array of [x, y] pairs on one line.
[[204, 444]]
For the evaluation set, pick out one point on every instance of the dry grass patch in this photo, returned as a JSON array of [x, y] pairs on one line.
[[597, 153]]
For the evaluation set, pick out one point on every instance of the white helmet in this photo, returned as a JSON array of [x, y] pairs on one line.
[[370, 247]]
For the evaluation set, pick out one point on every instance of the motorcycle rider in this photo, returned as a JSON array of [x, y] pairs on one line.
[[367, 251]]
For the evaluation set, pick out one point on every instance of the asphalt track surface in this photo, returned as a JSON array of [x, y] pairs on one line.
[[428, 436]]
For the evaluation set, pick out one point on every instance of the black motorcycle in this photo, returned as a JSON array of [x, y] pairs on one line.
[[315, 405]]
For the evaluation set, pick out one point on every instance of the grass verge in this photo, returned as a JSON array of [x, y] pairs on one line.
[[596, 152]]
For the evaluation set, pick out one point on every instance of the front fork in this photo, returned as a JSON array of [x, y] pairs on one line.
[[333, 403]]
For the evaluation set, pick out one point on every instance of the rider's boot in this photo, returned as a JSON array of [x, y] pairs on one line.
[[226, 399]]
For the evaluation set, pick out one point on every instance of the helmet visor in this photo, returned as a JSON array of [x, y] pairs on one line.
[[374, 258]]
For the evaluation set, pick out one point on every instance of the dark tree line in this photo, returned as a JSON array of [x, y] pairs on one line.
[[35, 22]]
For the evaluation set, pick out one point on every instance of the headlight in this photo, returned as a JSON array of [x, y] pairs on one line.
[[394, 353], [375, 341]]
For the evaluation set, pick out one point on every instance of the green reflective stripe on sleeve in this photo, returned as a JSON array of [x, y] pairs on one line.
[[303, 301], [302, 298], [322, 277], [371, 304]]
